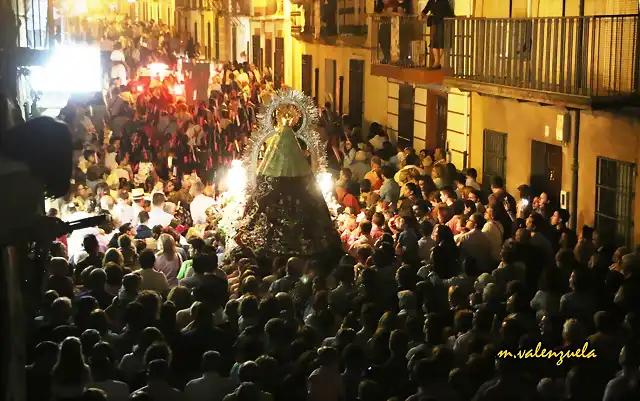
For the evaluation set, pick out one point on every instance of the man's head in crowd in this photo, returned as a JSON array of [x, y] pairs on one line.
[[158, 200], [387, 172], [497, 183]]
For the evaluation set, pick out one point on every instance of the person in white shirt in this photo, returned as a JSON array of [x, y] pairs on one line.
[[494, 232], [138, 205], [200, 204], [157, 215], [475, 244], [118, 66], [211, 386], [472, 176], [426, 243], [123, 211], [151, 279]]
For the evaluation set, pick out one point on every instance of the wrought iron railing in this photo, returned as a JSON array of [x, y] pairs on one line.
[[303, 20], [381, 26], [584, 56], [31, 18], [352, 17], [400, 40]]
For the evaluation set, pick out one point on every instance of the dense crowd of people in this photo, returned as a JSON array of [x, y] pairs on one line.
[[439, 275]]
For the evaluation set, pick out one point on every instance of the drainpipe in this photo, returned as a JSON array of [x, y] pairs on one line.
[[575, 122]]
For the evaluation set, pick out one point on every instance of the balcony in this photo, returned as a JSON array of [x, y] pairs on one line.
[[578, 62], [352, 18], [336, 22], [29, 46], [400, 49]]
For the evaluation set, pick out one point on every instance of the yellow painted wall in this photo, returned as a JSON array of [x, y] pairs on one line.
[[602, 134], [605, 135], [522, 122], [458, 127], [375, 88]]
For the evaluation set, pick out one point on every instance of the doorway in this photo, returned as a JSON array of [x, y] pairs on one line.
[[405, 114], [217, 38], [356, 91], [330, 77], [494, 158], [546, 170], [442, 109], [307, 68], [278, 68], [268, 54], [209, 48], [256, 51]]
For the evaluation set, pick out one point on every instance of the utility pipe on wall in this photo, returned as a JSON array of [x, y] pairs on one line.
[[575, 128]]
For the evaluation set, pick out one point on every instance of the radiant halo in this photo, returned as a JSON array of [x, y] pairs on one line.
[[295, 106]]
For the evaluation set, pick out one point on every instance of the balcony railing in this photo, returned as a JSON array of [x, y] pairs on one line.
[[32, 23], [352, 17], [400, 40], [584, 56], [331, 19]]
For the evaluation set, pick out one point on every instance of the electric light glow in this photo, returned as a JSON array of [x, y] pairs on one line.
[[236, 179], [325, 183], [81, 75]]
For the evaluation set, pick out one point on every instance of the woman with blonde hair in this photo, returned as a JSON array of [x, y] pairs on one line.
[[113, 255], [168, 260], [438, 174]]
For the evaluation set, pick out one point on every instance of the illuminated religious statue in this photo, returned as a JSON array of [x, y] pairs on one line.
[[285, 212]]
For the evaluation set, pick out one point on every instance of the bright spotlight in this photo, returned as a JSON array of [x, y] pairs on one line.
[[157, 68], [83, 75], [236, 178], [325, 183]]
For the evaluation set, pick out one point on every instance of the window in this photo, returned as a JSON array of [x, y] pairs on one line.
[[494, 160], [615, 194]]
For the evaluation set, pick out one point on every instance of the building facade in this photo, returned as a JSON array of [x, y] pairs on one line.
[[220, 28], [540, 92], [553, 89]]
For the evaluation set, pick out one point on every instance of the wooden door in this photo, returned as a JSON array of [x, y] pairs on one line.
[[307, 69], [494, 157], [441, 121], [405, 115], [268, 53], [216, 26], [330, 79], [209, 42], [278, 68], [256, 52], [356, 91], [546, 170]]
